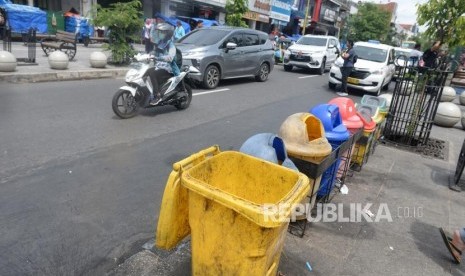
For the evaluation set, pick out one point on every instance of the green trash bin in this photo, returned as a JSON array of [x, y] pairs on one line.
[[55, 21]]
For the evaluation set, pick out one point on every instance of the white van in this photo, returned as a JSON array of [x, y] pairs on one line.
[[313, 52], [373, 70]]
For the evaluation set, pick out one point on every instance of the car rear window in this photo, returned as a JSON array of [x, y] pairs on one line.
[[251, 40], [371, 54], [314, 41], [204, 37], [263, 38]]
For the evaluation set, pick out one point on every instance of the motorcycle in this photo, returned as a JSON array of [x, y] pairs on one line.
[[136, 94]]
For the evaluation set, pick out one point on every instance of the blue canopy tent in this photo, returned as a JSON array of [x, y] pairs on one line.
[[21, 17], [73, 22], [172, 21], [207, 22]]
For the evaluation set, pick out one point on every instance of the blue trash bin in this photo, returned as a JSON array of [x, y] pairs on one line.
[[336, 133], [269, 147]]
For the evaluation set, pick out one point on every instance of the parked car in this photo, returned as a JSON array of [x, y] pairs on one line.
[[313, 52], [222, 52], [373, 70]]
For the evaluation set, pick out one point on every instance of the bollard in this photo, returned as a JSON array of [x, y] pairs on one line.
[[58, 60], [7, 62]]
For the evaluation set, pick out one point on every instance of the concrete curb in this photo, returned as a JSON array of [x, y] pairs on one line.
[[62, 75]]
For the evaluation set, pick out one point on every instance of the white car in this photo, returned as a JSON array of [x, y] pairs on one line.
[[312, 52], [373, 70]]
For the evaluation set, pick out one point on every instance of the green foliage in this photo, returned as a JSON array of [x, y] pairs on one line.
[[124, 21], [371, 22], [424, 39], [444, 20], [235, 9], [393, 38]]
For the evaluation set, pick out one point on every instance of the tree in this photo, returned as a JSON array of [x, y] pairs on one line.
[[444, 20], [124, 22], [424, 40], [371, 22], [235, 9]]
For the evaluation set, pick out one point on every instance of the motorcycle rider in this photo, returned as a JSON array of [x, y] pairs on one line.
[[165, 56]]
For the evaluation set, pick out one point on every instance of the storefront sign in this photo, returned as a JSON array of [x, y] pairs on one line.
[[256, 16], [281, 10], [329, 15], [260, 6]]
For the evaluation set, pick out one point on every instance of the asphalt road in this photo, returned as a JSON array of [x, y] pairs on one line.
[[80, 189]]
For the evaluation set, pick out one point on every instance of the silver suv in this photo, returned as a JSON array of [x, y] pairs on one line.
[[227, 52]]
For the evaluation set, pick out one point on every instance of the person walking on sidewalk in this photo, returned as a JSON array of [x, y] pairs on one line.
[[178, 31], [456, 244], [349, 60], [147, 41]]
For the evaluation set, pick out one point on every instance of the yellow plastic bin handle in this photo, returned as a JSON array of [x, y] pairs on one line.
[[196, 158]]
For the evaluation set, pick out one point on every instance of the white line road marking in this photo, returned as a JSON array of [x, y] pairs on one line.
[[306, 77], [210, 92]]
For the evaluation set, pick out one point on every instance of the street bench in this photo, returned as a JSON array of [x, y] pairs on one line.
[[93, 39], [63, 41]]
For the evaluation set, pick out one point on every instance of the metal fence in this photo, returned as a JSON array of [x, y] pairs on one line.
[[414, 103], [29, 39]]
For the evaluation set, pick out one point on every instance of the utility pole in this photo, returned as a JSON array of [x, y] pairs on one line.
[[306, 17]]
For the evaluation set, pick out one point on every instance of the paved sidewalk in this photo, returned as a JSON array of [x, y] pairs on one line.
[[415, 189], [79, 67]]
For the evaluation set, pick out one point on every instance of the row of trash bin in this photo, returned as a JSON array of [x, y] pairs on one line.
[[236, 205]]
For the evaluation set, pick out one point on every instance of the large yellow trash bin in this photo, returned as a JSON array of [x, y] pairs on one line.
[[238, 212]]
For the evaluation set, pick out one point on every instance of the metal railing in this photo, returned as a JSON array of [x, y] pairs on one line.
[[414, 103]]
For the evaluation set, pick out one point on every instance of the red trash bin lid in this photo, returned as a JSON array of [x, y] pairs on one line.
[[348, 112]]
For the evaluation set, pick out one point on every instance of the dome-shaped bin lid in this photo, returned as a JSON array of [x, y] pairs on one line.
[[304, 136], [330, 117], [375, 101], [268, 146], [372, 110], [348, 112]]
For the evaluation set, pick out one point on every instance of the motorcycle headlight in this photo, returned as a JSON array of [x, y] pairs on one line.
[[131, 75]]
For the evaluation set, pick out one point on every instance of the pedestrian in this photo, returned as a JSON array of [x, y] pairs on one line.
[[455, 244], [349, 57], [429, 56], [147, 41], [179, 31], [199, 24]]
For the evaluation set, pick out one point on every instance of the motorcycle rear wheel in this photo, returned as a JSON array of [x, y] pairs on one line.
[[124, 105], [187, 100]]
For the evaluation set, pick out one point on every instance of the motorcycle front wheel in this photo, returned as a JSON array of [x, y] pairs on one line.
[[124, 105], [186, 100]]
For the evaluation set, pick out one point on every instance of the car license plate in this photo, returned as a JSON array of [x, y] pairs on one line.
[[352, 80]]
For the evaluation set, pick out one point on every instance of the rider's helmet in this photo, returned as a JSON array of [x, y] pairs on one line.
[[164, 31]]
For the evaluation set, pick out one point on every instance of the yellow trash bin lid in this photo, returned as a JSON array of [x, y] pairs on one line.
[[173, 221], [304, 136]]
